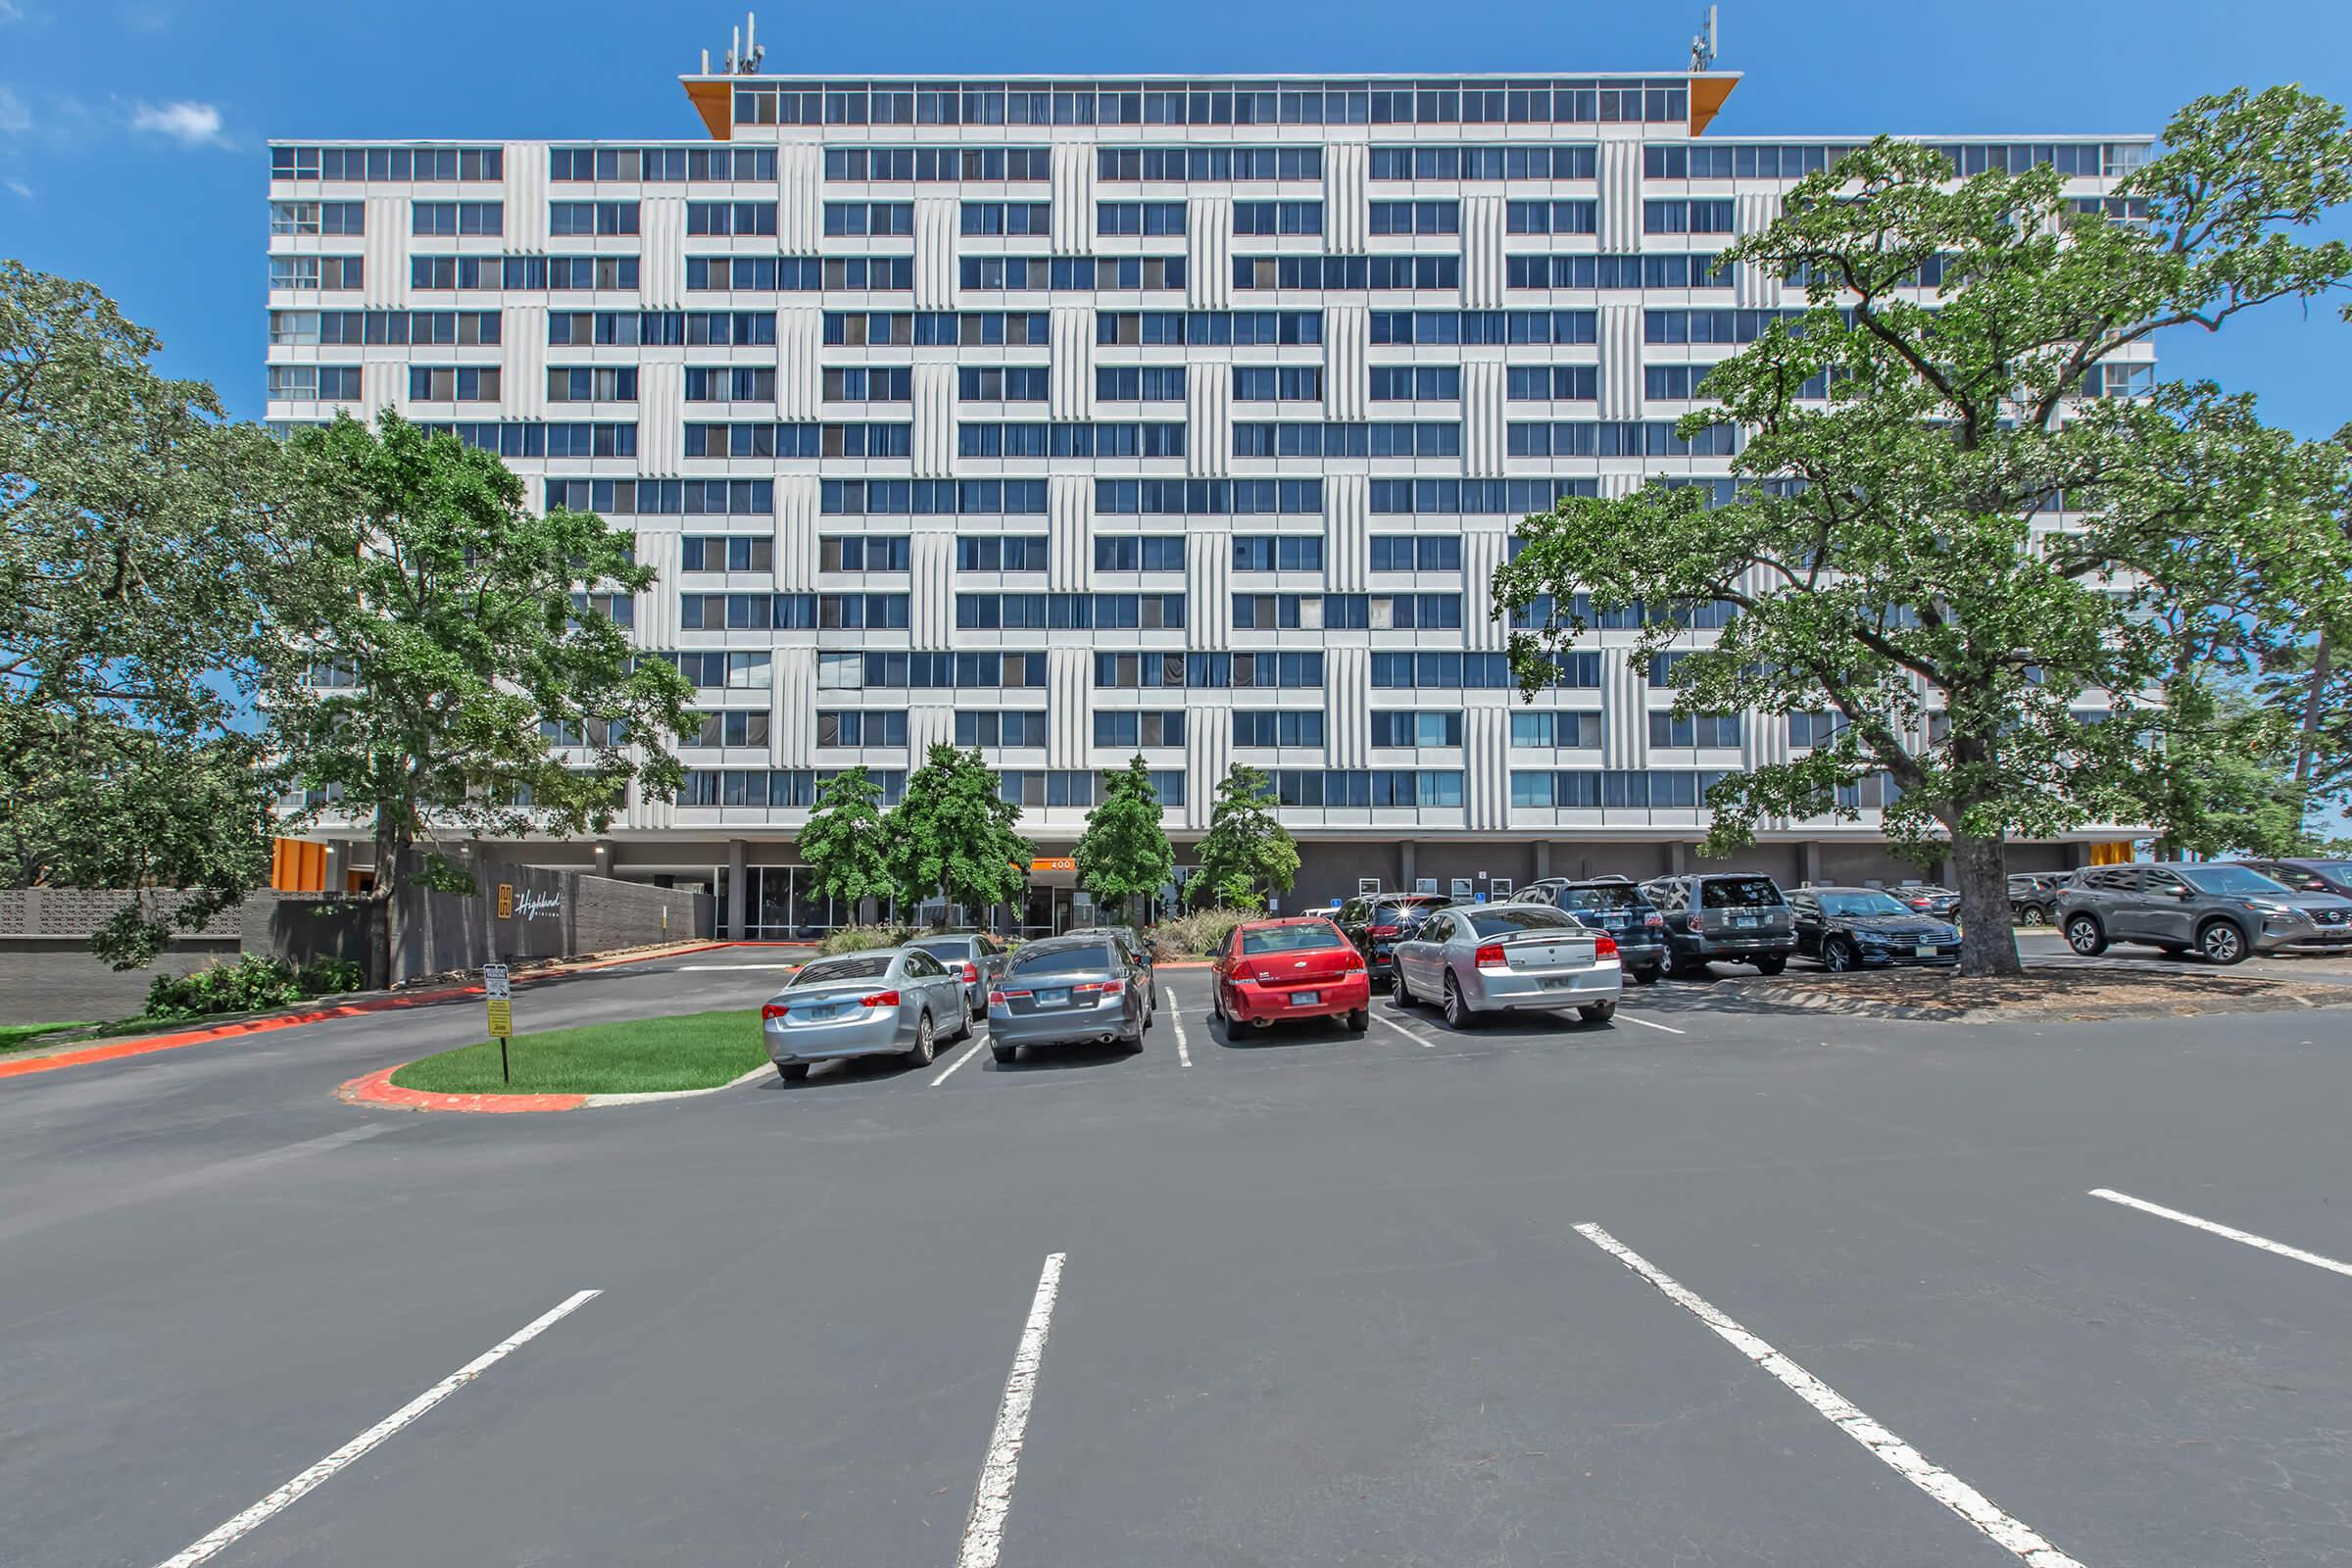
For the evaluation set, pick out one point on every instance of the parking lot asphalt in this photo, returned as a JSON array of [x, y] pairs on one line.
[[1321, 1299]]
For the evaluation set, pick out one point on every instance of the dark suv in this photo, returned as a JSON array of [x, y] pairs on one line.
[[2307, 876], [2225, 912], [2033, 896], [1377, 921], [1616, 907], [1736, 915]]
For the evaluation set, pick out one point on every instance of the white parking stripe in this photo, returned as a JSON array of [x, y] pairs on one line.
[[1406, 1030], [2315, 1259], [1647, 1024], [979, 1039], [285, 1497], [992, 1497], [1900, 1456], [1184, 1054]]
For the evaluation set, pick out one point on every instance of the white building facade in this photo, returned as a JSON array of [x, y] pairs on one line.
[[1073, 419]]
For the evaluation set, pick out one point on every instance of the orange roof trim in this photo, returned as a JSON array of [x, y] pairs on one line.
[[715, 101], [1707, 94]]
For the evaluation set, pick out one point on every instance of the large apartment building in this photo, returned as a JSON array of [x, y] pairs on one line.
[[1069, 419]]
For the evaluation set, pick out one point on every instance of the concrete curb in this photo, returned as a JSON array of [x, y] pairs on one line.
[[378, 1089], [18, 1066]]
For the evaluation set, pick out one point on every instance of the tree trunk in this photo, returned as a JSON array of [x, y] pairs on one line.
[[2307, 736], [1987, 938], [381, 945]]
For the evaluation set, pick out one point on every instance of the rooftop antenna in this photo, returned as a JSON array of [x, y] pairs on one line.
[[1702, 44], [706, 62]]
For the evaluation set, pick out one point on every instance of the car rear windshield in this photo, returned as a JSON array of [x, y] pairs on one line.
[[956, 947], [829, 971], [1737, 891], [1397, 908], [1502, 922], [1292, 938], [2229, 880], [1063, 960], [1615, 896]]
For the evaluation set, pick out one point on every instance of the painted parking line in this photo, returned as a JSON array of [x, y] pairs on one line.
[[1897, 1454], [1184, 1051], [992, 1495], [1627, 1017], [2315, 1259], [212, 1544], [1406, 1030], [979, 1039]]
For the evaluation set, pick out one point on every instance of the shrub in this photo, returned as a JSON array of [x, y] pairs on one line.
[[1197, 933], [859, 938], [252, 983], [324, 977]]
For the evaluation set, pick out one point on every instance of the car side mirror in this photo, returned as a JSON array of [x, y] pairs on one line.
[[2184, 893]]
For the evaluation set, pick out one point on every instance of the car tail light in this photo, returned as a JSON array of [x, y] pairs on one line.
[[774, 1009], [1381, 930], [1089, 987], [1604, 948], [995, 999], [879, 998], [1694, 922], [1490, 956], [1350, 960], [971, 972]]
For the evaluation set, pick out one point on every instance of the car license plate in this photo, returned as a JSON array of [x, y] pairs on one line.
[[1744, 922], [1306, 999], [830, 1009], [1612, 921], [1926, 949], [1558, 982], [1053, 999]]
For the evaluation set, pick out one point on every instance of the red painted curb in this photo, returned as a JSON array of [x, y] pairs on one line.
[[378, 1089], [147, 1044]]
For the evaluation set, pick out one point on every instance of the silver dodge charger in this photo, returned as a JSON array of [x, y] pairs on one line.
[[893, 1002], [1489, 957]]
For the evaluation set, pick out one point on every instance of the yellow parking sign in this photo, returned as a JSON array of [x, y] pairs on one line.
[[502, 1020]]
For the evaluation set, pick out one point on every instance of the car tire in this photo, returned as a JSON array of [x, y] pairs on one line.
[[1648, 974], [1771, 963], [2084, 936], [1839, 956], [1460, 1014], [1005, 1053], [1402, 993], [925, 1048], [792, 1072], [1359, 1020], [2174, 949], [1598, 1013], [2222, 943]]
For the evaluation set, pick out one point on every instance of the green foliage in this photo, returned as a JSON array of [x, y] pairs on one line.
[[952, 835], [1246, 852], [2217, 778], [1196, 933], [142, 538], [862, 938], [1893, 555], [843, 839], [1124, 853], [467, 621], [254, 982]]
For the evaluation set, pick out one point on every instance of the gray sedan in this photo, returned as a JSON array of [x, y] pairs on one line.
[[893, 1002], [1071, 989], [1489, 957], [976, 957]]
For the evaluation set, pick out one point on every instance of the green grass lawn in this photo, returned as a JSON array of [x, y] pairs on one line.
[[16, 1036], [698, 1050]]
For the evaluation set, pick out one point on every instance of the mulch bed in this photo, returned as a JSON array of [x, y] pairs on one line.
[[2062, 994]]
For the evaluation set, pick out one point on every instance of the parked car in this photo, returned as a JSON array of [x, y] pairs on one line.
[[1737, 915], [1850, 928], [889, 1002], [2223, 911], [1926, 898], [1471, 958], [2307, 876], [974, 956], [1615, 906], [2033, 896], [1376, 921], [1136, 943], [1082, 987], [1302, 967]]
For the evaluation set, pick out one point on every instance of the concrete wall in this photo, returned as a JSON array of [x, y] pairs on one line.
[[551, 914], [47, 974]]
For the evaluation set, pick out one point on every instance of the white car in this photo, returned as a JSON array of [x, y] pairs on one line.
[[1472, 959]]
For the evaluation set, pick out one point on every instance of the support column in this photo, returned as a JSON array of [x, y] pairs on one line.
[[1543, 858], [1678, 858], [735, 876], [601, 863], [1812, 860], [332, 876], [1404, 865]]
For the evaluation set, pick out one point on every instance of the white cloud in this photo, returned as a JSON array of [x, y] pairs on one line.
[[10, 11], [192, 124], [14, 115], [19, 187]]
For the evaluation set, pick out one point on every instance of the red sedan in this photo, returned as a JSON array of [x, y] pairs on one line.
[[1295, 968]]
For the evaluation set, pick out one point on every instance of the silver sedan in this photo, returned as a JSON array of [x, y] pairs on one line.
[[891, 1002], [1492, 958]]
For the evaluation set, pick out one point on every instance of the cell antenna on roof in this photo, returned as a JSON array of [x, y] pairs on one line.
[[743, 60], [1702, 43]]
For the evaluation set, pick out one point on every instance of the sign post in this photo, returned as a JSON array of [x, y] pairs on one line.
[[500, 994]]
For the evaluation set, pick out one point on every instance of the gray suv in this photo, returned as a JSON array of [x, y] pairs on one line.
[[2225, 912], [1736, 915]]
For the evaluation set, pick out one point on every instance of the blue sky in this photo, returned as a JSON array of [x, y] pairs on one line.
[[132, 131]]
